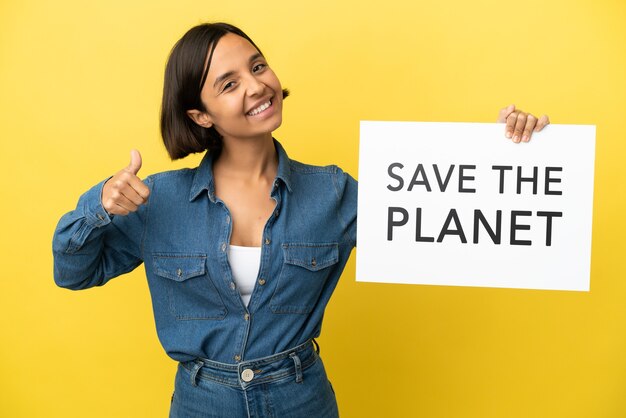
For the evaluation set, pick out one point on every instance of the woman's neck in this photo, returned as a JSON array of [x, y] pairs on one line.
[[247, 159]]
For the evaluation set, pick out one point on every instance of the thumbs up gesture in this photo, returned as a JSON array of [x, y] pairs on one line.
[[125, 192]]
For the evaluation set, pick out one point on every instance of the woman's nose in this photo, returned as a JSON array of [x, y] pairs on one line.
[[254, 86]]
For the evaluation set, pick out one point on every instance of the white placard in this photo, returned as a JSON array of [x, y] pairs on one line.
[[459, 204]]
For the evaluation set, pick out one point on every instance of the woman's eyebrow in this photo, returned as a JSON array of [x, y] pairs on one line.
[[231, 73], [255, 57], [223, 77]]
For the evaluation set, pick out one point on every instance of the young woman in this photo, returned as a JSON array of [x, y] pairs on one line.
[[241, 253]]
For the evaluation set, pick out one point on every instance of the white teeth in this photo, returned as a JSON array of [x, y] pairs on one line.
[[260, 108]]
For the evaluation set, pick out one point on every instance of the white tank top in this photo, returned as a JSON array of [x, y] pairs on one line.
[[244, 264]]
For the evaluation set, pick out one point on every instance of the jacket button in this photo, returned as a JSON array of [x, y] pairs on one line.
[[267, 241], [179, 272], [314, 262], [232, 285], [247, 375], [237, 357], [100, 217], [223, 246], [261, 282], [246, 317]]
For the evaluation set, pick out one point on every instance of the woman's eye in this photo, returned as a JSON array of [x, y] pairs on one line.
[[258, 68], [228, 85]]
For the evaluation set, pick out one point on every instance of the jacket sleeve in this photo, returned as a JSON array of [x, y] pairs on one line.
[[346, 188], [90, 247]]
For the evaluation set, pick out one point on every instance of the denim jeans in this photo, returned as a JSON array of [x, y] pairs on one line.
[[290, 384]]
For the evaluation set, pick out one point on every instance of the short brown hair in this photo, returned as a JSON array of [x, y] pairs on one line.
[[184, 77]]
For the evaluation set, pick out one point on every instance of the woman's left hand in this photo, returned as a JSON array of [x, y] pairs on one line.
[[520, 125]]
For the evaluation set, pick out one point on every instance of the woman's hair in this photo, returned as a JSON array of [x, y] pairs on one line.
[[184, 77]]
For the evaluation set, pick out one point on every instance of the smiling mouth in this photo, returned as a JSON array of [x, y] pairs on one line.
[[259, 109]]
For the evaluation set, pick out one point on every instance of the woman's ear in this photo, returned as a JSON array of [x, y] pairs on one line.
[[201, 118]]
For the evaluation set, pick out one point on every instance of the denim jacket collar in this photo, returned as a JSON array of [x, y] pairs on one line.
[[203, 179]]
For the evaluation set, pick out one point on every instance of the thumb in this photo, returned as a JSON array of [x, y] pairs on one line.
[[135, 162], [505, 112], [510, 109]]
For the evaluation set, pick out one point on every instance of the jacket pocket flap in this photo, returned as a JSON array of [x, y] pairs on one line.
[[179, 267], [312, 257]]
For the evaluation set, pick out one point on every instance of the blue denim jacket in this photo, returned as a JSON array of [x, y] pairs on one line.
[[182, 234]]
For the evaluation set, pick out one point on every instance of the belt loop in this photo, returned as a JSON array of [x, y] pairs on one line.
[[296, 362], [317, 346], [194, 372]]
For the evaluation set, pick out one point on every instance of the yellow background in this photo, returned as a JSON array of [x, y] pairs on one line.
[[80, 85]]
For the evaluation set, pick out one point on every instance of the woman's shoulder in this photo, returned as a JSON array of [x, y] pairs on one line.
[[331, 177], [303, 168], [173, 180], [172, 174]]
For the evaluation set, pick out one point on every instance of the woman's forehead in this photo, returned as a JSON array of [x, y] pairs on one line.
[[231, 49]]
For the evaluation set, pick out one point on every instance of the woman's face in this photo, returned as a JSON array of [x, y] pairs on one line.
[[242, 96]]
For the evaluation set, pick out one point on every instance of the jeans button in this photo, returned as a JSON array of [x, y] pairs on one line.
[[247, 375]]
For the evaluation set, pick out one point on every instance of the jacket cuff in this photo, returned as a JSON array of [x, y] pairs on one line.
[[90, 204]]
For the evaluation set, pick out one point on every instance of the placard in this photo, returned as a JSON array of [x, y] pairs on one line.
[[459, 204]]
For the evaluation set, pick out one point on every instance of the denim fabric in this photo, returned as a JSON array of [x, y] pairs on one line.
[[289, 384], [182, 234]]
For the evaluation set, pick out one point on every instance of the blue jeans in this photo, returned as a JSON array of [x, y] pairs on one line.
[[290, 384]]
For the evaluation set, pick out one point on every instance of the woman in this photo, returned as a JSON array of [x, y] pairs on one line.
[[242, 253]]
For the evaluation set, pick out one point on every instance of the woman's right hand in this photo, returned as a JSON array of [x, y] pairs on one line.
[[125, 192]]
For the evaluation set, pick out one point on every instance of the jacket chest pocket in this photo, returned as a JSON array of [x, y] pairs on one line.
[[188, 287], [302, 277]]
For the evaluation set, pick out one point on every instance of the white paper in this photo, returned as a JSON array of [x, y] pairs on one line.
[[564, 264]]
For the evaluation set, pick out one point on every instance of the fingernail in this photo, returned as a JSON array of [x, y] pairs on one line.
[[516, 138], [525, 138], [508, 134]]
